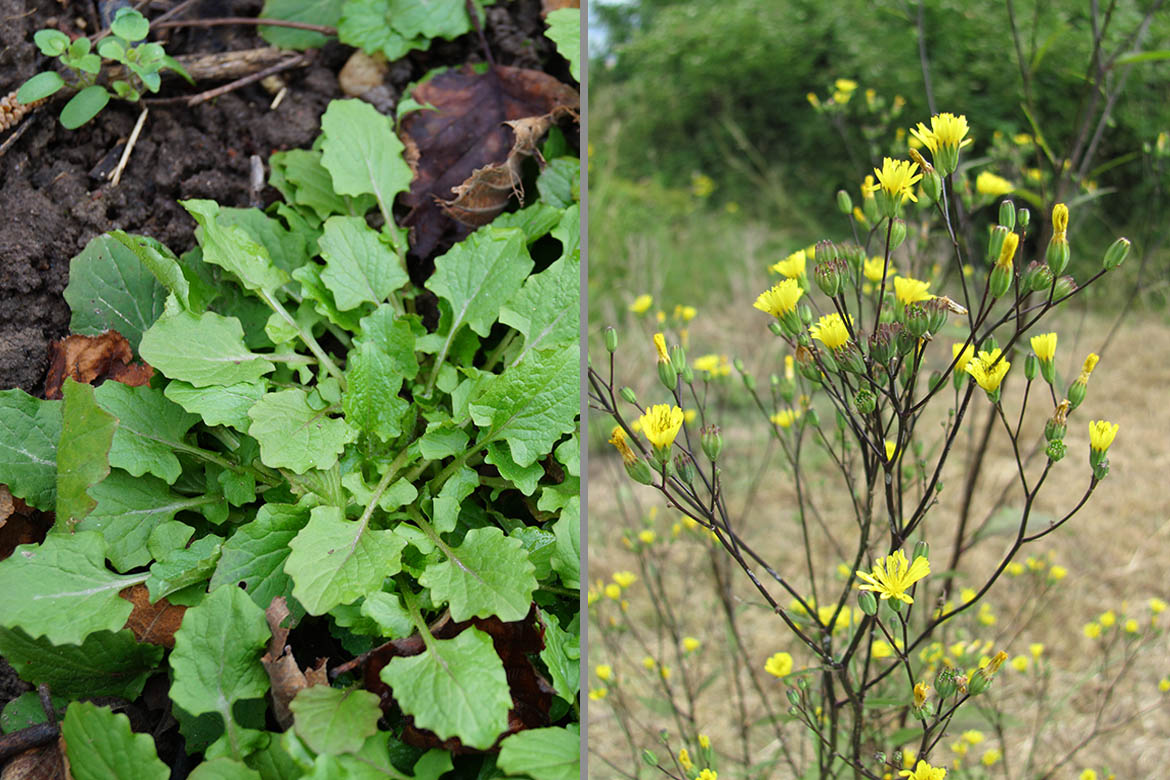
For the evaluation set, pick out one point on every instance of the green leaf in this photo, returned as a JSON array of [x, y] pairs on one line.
[[84, 106], [29, 430], [128, 509], [488, 574], [337, 561], [295, 436], [371, 400], [321, 12], [395, 335], [40, 87], [110, 289], [525, 478], [442, 440], [478, 274], [207, 349], [455, 688], [564, 29], [566, 561], [218, 405], [62, 590], [543, 754], [562, 656], [547, 310], [183, 567], [558, 182], [535, 220], [365, 24], [362, 153], [540, 545], [435, 19], [26, 710], [335, 721], [387, 611], [289, 249], [223, 768], [256, 553], [86, 433], [101, 746], [359, 266], [130, 25], [190, 290], [216, 660], [448, 503], [312, 185], [531, 405], [230, 247], [52, 43], [568, 232], [150, 429], [105, 664]]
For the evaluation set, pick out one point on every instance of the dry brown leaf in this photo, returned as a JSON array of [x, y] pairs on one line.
[[286, 678], [153, 624], [40, 763], [466, 133], [548, 6], [90, 358], [20, 523]]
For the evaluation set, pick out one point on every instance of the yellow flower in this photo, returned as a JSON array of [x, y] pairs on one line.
[[1107, 619], [618, 440], [1015, 569], [845, 85], [642, 304], [690, 644], [781, 299], [685, 313], [910, 290], [1092, 630], [1101, 434], [894, 575], [604, 672], [661, 424], [874, 267], [702, 185], [973, 737], [921, 691], [881, 649], [1008, 251], [891, 449], [1088, 774], [1164, 684], [785, 417], [625, 578], [987, 183], [789, 368], [1020, 663], [689, 415], [924, 771], [648, 663], [897, 179], [684, 760], [665, 672], [793, 266], [1036, 649], [1087, 368], [965, 353], [1131, 626], [597, 694], [991, 757], [813, 100], [988, 369], [708, 774], [779, 665], [704, 741], [646, 537], [613, 591], [831, 330], [708, 363], [945, 130], [660, 347], [1059, 220], [1157, 606], [1044, 346], [1057, 573]]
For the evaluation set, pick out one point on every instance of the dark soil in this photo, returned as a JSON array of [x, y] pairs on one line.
[[50, 206]]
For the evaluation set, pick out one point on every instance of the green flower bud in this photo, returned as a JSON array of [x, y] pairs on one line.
[[1065, 285], [1054, 430], [1076, 394], [995, 245], [1007, 214], [737, 364], [1001, 281], [774, 326], [867, 602], [932, 184], [1037, 277], [806, 314], [869, 207], [712, 441], [1115, 254], [749, 382], [812, 417], [649, 758], [1058, 254], [853, 255], [945, 684], [678, 355], [921, 549], [1055, 450], [1023, 217], [611, 341], [829, 275], [684, 467], [844, 202], [627, 393], [916, 319], [793, 697], [1031, 366], [667, 375], [687, 374], [897, 234], [864, 401]]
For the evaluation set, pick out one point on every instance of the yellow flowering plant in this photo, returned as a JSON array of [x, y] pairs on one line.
[[865, 638]]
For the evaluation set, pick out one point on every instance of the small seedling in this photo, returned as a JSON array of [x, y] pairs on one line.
[[126, 44]]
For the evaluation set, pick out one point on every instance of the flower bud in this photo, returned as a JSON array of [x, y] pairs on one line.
[[995, 245], [869, 209], [684, 467], [1076, 394], [1037, 277], [931, 183], [883, 343], [678, 355], [806, 314], [1055, 450], [649, 758], [1031, 366], [793, 697], [867, 603], [853, 255], [1001, 281], [1065, 285], [1023, 217], [1101, 470], [1115, 254], [712, 441], [1007, 214], [667, 375], [776, 329], [1058, 254], [611, 339], [749, 382], [738, 365], [812, 418], [917, 320], [936, 310], [627, 394], [829, 275], [806, 365], [921, 549], [844, 202], [944, 683], [897, 234]]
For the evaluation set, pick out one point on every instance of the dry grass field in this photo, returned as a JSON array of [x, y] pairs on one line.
[[1116, 553]]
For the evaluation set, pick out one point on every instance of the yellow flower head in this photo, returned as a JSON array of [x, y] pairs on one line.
[[831, 331], [604, 672], [987, 371], [991, 757], [881, 649], [1157, 606], [708, 363], [708, 774], [597, 694], [792, 266], [813, 100], [921, 691], [779, 665], [910, 290], [1020, 663], [642, 304], [945, 130], [618, 440], [625, 578], [1101, 434], [781, 299], [894, 575], [1087, 368], [661, 423], [789, 367], [684, 759], [690, 644], [963, 354], [874, 268], [647, 536], [1092, 630], [785, 417], [891, 449], [868, 188], [897, 179], [845, 85], [924, 771], [1044, 346], [613, 592], [660, 347], [987, 183], [1060, 220], [1008, 251]]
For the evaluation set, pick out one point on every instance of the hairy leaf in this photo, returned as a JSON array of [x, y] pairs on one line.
[[255, 554], [477, 274], [362, 153], [359, 266], [543, 754], [150, 429]]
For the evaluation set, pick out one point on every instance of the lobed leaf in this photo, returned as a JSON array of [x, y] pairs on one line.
[[564, 29], [362, 153], [543, 754], [335, 721], [476, 274], [488, 574], [206, 349], [359, 266], [295, 436], [254, 556], [105, 664], [150, 429], [101, 746]]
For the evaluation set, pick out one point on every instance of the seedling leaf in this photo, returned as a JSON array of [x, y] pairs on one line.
[[85, 105], [40, 86], [335, 721], [295, 436], [101, 746]]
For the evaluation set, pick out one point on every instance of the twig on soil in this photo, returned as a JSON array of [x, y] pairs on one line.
[[16, 134], [226, 20], [117, 177], [487, 51], [194, 100], [30, 737]]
